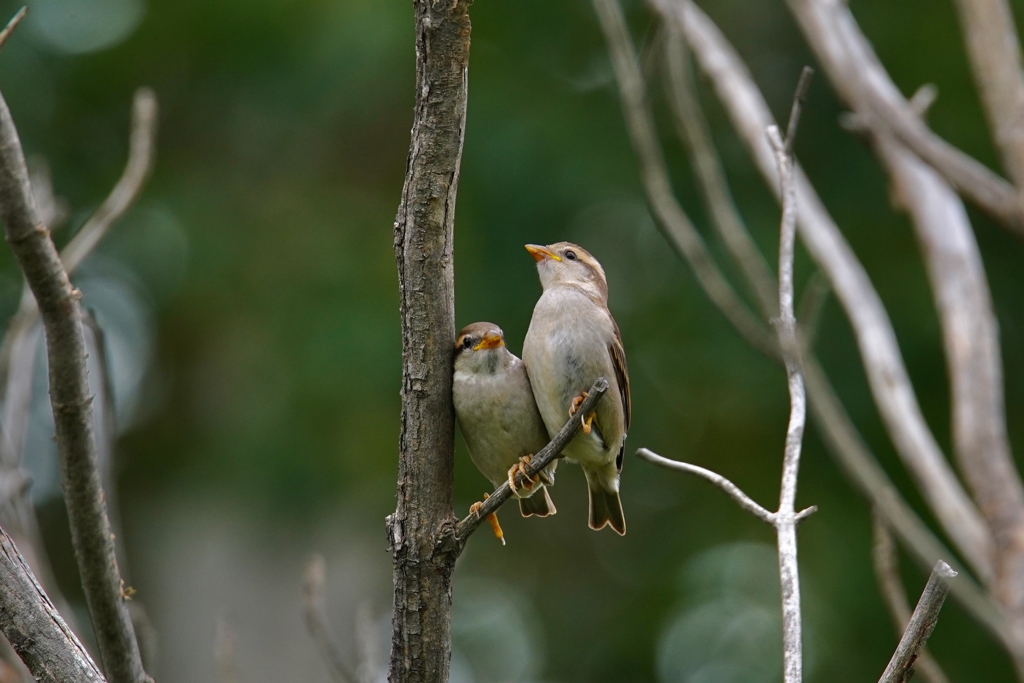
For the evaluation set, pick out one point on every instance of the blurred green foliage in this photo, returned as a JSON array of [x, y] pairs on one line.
[[284, 128]]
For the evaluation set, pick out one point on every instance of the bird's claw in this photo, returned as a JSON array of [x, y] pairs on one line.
[[575, 405], [585, 422], [492, 518], [520, 468]]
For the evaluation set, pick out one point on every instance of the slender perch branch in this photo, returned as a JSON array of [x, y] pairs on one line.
[[541, 460], [922, 622], [35, 628], [69, 396]]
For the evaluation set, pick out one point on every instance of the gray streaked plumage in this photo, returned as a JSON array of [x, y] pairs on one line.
[[496, 412], [572, 341]]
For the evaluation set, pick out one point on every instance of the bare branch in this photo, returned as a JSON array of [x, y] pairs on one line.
[[922, 622], [742, 499], [69, 396], [993, 47], [539, 461], [785, 522], [315, 612], [141, 153], [693, 130], [887, 573], [886, 371], [669, 215], [35, 628], [11, 25]]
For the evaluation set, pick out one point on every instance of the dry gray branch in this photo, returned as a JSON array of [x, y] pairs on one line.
[[890, 585], [922, 622], [669, 215], [35, 628], [785, 518], [69, 396], [990, 35], [886, 371], [742, 499], [315, 614], [424, 229]]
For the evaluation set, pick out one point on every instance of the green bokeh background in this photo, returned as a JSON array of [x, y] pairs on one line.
[[272, 396]]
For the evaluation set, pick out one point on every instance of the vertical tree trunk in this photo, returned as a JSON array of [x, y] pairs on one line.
[[421, 638]]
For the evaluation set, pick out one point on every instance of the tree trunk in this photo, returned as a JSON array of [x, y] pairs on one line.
[[421, 638]]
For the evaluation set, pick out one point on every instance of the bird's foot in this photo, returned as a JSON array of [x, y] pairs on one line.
[[492, 518], [575, 405], [520, 468], [586, 422]]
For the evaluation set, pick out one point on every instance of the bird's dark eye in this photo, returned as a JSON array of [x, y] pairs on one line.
[[571, 255], [467, 342]]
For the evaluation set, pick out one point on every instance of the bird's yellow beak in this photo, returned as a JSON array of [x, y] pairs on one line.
[[540, 253], [490, 341]]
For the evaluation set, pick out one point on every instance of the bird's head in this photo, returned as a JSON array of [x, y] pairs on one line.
[[480, 347], [565, 263]]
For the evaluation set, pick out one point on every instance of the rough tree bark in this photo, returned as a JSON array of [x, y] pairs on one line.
[[421, 636]]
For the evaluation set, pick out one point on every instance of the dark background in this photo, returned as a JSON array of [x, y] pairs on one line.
[[251, 301]]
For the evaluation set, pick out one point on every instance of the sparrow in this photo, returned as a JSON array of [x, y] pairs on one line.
[[572, 341], [498, 416]]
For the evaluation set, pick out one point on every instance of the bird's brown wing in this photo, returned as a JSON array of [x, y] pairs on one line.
[[621, 372]]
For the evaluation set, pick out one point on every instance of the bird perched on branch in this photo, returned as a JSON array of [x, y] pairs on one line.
[[498, 416], [572, 341]]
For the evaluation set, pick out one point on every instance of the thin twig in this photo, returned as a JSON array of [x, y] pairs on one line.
[[785, 524], [11, 25], [35, 628], [669, 215], [887, 573], [315, 612], [742, 499], [922, 622], [539, 461], [70, 399], [886, 371]]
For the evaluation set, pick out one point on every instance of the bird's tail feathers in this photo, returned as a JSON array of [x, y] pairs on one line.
[[539, 504], [605, 506]]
